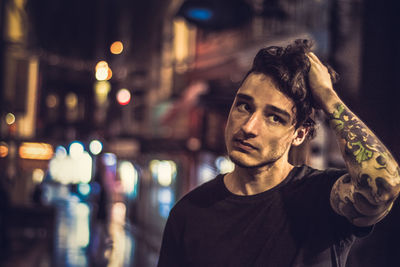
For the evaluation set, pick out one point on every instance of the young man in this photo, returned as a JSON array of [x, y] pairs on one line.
[[268, 212]]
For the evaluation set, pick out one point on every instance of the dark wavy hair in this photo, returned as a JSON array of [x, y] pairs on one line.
[[289, 67]]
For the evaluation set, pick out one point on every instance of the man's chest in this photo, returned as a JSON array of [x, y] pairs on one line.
[[232, 234]]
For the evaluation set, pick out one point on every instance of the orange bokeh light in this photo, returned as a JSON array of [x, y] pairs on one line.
[[3, 150], [103, 71], [109, 74], [101, 65], [117, 48], [40, 151]]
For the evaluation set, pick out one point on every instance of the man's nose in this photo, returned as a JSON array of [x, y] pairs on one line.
[[251, 125]]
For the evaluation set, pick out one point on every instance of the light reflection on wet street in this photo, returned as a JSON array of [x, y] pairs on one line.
[[80, 240]]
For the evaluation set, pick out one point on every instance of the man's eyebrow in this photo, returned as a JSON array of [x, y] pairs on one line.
[[243, 96], [270, 107], [278, 110]]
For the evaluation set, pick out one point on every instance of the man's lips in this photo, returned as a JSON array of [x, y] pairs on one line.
[[243, 144]]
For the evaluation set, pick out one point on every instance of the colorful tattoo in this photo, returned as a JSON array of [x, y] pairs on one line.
[[366, 194], [359, 142]]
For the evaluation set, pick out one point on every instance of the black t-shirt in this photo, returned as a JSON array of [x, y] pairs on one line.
[[291, 224]]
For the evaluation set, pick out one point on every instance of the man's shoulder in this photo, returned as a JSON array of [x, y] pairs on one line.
[[311, 178], [308, 172]]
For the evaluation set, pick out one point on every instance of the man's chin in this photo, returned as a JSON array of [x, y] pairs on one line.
[[247, 164]]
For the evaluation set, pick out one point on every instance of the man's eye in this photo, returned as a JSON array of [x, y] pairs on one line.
[[243, 106], [275, 119]]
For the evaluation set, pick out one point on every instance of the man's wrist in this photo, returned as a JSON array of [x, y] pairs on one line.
[[330, 102]]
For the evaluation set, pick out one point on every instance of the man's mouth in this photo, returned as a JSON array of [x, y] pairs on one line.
[[243, 145]]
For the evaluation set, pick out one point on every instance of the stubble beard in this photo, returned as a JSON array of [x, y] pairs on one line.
[[270, 161]]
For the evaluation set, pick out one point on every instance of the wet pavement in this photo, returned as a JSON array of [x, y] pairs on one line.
[[67, 233]]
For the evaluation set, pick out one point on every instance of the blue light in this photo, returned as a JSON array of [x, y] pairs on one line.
[[165, 201], [61, 151], [96, 187], [200, 14], [164, 209], [109, 159]]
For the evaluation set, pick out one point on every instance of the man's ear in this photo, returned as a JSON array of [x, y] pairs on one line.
[[300, 135]]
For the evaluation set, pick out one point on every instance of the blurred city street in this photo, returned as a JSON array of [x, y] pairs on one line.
[[71, 237], [111, 111]]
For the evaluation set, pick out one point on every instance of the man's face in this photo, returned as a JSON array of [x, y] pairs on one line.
[[260, 127]]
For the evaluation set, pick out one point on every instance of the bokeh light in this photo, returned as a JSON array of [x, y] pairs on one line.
[[109, 159], [39, 151], [61, 152], [37, 176], [164, 171], [201, 14], [224, 165], [84, 189], [102, 74], [118, 212], [193, 144], [116, 48], [71, 100], [101, 64], [102, 88], [103, 71], [76, 149], [109, 74], [3, 149], [129, 176], [51, 101], [82, 233], [123, 96], [10, 118], [73, 168], [95, 147], [165, 198]]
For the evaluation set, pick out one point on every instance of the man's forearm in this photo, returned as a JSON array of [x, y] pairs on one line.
[[366, 194], [374, 180]]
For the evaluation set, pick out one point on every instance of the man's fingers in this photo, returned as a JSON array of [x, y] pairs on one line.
[[315, 62], [313, 57]]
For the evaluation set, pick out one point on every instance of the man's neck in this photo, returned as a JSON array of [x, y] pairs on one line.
[[251, 181]]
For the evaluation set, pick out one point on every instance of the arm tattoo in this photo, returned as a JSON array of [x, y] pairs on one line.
[[367, 194], [360, 143], [350, 202]]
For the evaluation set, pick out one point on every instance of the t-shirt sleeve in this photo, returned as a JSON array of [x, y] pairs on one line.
[[171, 246]]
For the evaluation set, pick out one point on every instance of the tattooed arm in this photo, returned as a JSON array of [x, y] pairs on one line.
[[366, 194]]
